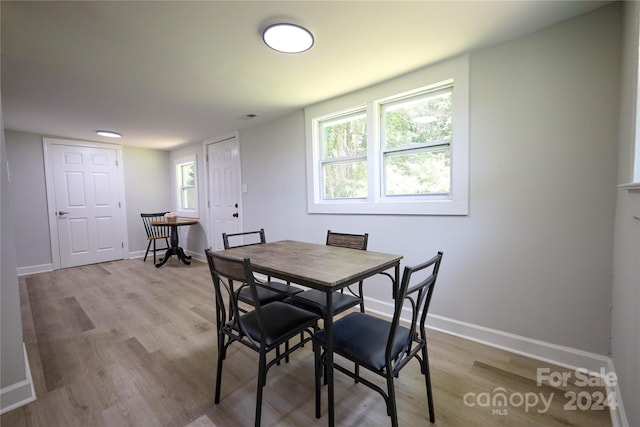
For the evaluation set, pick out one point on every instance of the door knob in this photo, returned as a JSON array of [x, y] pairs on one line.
[[235, 215], [60, 213]]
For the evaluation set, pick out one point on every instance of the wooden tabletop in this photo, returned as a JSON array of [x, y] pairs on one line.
[[314, 265]]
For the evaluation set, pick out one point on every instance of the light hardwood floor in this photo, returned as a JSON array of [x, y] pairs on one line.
[[126, 344]]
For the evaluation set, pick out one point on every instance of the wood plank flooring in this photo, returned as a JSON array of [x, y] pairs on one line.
[[126, 344]]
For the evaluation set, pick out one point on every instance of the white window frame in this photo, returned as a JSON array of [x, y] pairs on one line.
[[177, 180], [454, 71]]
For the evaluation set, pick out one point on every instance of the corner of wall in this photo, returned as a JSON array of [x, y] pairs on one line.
[[20, 393]]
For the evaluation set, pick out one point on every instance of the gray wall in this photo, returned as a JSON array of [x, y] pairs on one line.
[[28, 197], [625, 328], [534, 257], [147, 189], [12, 366]]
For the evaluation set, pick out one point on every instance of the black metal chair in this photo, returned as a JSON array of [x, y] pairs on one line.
[[385, 347], [263, 329], [316, 300], [155, 233], [268, 290]]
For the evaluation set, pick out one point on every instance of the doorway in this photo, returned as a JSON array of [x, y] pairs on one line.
[[224, 195], [85, 199]]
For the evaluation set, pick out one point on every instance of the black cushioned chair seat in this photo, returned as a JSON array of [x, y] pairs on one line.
[[364, 338], [316, 300], [282, 287], [265, 295], [279, 320]]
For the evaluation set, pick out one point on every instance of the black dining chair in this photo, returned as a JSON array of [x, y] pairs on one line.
[[316, 300], [385, 347], [263, 329], [155, 233], [268, 290]]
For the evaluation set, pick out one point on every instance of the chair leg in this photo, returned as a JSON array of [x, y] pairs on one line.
[[154, 251], [317, 348], [222, 350], [262, 379], [325, 376], [147, 252], [392, 410], [427, 379]]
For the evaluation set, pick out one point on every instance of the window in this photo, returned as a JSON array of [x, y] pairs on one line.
[[416, 140], [397, 148], [344, 156], [186, 186]]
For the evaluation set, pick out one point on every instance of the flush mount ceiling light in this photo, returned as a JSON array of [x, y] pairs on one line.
[[287, 38], [108, 133]]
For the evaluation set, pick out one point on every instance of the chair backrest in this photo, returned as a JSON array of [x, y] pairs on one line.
[[224, 272], [414, 294], [154, 232], [255, 238], [345, 240]]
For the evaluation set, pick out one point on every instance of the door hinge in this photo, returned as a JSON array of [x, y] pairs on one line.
[[117, 164], [120, 205], [209, 203], [122, 245]]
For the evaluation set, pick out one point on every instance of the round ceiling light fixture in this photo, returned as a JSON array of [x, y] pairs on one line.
[[108, 133], [287, 38]]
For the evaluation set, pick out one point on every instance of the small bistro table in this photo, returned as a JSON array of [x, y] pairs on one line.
[[175, 248]]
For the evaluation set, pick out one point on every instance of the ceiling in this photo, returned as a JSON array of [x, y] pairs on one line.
[[169, 73]]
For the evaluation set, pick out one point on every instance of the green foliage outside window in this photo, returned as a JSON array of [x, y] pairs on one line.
[[345, 180], [418, 121], [418, 173], [417, 135], [188, 182]]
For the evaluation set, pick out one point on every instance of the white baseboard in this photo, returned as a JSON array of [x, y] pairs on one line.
[[566, 357], [43, 268], [563, 356], [20, 393], [137, 254], [34, 269], [553, 353], [197, 255], [618, 416]]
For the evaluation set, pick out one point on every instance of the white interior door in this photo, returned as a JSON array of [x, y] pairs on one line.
[[224, 188], [84, 198]]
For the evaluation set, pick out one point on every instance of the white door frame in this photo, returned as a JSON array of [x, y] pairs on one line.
[[209, 215], [51, 200]]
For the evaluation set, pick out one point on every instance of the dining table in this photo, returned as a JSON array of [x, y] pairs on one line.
[[322, 267], [174, 247]]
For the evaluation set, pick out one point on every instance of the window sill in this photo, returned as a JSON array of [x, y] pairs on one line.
[[443, 207], [632, 186]]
